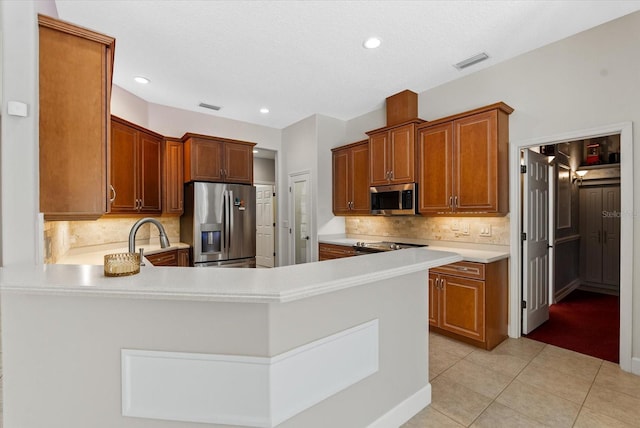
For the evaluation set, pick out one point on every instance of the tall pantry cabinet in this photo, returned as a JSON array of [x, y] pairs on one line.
[[600, 236]]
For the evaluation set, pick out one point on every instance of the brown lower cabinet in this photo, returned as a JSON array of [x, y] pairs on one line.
[[468, 301], [331, 251], [177, 257]]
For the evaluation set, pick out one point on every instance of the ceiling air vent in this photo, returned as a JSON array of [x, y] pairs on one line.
[[210, 106], [470, 61]]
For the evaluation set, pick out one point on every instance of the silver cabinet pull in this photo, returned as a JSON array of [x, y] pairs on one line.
[[461, 268], [114, 193], [451, 202], [455, 201]]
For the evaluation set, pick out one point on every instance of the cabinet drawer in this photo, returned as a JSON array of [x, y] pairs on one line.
[[167, 258], [330, 251], [465, 269]]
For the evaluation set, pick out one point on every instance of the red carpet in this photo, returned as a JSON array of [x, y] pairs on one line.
[[584, 322]]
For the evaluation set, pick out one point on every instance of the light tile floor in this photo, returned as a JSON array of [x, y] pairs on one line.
[[524, 383]]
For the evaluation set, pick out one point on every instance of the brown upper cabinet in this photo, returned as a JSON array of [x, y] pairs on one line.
[[351, 179], [173, 177], [463, 163], [75, 68], [136, 169], [392, 153], [217, 159]]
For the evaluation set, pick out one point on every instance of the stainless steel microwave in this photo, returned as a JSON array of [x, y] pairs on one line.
[[394, 199]]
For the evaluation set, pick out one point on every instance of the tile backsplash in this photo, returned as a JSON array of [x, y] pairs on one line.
[[457, 229], [62, 236]]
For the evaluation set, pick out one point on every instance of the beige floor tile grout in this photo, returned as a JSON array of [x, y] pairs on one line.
[[529, 360]]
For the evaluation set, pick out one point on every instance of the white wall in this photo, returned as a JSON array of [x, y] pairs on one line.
[[299, 153], [264, 171], [330, 133], [129, 107], [19, 151], [173, 122], [585, 81]]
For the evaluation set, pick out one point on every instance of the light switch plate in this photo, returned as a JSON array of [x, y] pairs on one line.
[[16, 108], [485, 230], [464, 228]]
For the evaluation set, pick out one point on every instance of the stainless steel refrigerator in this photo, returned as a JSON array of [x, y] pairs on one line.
[[219, 222]]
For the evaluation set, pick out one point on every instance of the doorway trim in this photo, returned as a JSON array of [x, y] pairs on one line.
[[306, 174], [625, 129]]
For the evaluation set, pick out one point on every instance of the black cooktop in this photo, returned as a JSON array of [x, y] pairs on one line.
[[375, 247]]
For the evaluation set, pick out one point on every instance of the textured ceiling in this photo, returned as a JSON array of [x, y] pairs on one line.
[[299, 58]]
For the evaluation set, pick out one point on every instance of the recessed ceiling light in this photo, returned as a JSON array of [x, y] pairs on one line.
[[141, 79], [264, 110], [255, 151], [372, 43]]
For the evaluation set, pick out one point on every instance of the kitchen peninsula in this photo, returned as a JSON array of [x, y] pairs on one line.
[[341, 343]]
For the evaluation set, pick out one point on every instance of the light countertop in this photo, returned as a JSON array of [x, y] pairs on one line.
[[469, 252], [95, 255], [277, 285]]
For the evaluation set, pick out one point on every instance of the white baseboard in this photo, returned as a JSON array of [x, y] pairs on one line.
[[405, 410], [635, 365], [566, 290], [242, 390]]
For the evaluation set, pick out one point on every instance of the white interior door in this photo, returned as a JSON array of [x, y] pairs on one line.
[[264, 226], [535, 247], [301, 212]]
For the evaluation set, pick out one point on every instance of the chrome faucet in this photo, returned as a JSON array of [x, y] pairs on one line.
[[164, 241]]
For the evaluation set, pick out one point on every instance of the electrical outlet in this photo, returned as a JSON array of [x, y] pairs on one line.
[[485, 230], [455, 225], [464, 228]]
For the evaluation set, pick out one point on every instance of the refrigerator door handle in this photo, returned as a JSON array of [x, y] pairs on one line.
[[225, 222], [230, 222]]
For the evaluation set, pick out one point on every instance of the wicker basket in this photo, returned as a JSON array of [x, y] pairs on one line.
[[121, 264]]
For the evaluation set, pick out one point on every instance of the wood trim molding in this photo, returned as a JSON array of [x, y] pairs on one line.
[[210, 137], [66, 27], [388, 128], [496, 106], [139, 128], [348, 146]]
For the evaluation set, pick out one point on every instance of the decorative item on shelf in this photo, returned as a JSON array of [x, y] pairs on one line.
[[121, 264], [577, 175], [593, 154], [614, 157], [548, 150]]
